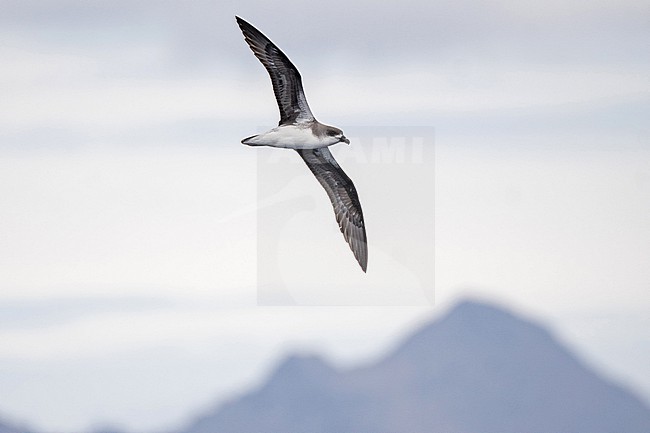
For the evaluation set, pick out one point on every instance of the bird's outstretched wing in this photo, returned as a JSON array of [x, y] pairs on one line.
[[344, 198], [287, 84]]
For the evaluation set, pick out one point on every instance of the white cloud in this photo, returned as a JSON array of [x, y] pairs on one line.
[[466, 85], [147, 222]]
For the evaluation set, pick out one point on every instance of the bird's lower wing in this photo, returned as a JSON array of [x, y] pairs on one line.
[[344, 198]]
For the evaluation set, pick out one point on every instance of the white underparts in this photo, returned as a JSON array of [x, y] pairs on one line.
[[290, 137]]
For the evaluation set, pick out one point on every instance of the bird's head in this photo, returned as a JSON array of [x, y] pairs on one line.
[[337, 134]]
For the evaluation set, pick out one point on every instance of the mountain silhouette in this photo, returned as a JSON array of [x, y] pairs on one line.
[[479, 369], [5, 427]]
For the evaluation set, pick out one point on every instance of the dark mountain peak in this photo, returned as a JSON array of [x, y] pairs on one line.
[[470, 309], [303, 365], [295, 371], [298, 383], [473, 316], [478, 369], [484, 318], [472, 328]]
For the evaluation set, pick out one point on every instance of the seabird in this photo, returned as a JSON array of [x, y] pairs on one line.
[[299, 130]]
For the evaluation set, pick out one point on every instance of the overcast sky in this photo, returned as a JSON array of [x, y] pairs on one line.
[[128, 243]]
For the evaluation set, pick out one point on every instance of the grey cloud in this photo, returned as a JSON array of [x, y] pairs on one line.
[[20, 314], [204, 32]]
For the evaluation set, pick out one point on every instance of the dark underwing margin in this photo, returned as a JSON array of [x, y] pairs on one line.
[[344, 198]]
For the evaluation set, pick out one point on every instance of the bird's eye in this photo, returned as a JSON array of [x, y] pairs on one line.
[[331, 133]]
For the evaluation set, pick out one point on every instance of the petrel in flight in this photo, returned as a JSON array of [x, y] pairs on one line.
[[299, 130]]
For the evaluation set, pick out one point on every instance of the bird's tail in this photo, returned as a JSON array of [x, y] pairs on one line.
[[250, 141]]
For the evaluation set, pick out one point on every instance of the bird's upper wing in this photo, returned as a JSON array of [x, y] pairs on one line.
[[287, 84], [344, 198]]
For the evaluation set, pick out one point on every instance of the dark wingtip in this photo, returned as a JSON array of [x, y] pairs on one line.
[[242, 23], [362, 256]]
